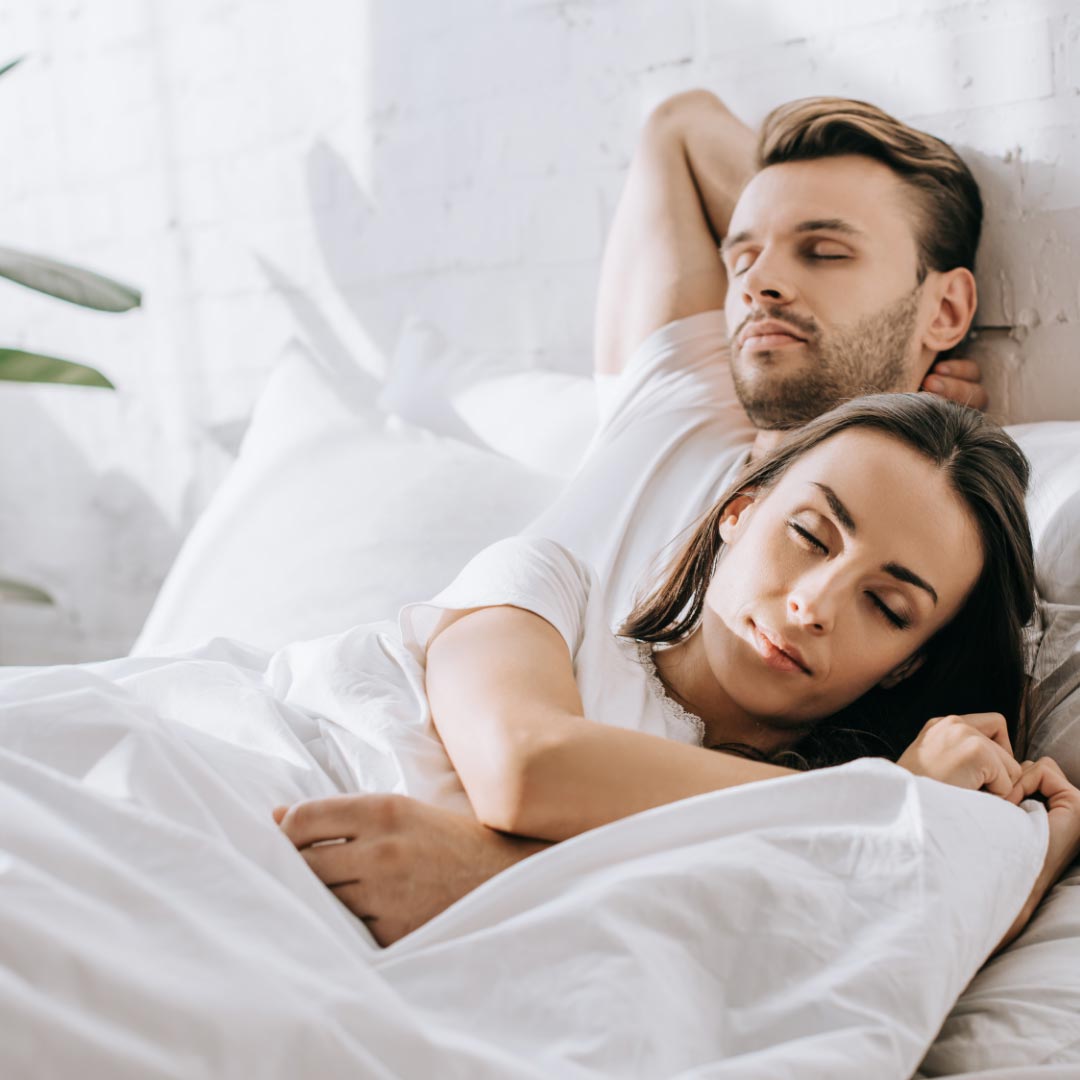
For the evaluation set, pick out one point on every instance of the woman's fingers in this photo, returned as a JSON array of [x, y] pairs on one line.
[[1043, 777], [1004, 770], [993, 725], [1010, 767]]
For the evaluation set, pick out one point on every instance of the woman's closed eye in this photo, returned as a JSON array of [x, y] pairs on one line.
[[901, 622], [809, 541]]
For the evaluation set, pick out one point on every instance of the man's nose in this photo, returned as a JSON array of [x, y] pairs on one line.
[[765, 281]]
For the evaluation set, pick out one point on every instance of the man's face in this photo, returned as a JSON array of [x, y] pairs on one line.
[[823, 299]]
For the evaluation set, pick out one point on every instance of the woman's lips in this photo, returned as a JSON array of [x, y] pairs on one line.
[[773, 656]]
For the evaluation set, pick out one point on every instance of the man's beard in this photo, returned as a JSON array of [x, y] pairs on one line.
[[868, 357]]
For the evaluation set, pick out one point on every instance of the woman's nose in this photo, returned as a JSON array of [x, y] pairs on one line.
[[812, 609]]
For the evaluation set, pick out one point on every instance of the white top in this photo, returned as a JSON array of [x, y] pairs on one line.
[[672, 437], [367, 683], [616, 677]]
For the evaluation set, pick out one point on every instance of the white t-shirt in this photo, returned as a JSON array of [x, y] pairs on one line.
[[367, 688], [616, 677], [672, 437]]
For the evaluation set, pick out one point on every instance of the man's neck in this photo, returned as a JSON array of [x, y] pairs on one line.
[[766, 441]]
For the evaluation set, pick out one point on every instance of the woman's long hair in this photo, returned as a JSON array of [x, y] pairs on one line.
[[973, 664]]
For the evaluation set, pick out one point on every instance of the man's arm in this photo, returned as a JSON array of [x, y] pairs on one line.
[[661, 261]]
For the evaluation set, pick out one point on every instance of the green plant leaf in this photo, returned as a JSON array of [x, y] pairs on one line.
[[11, 63], [22, 593], [19, 366], [66, 282]]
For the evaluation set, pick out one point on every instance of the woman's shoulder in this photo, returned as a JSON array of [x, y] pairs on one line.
[[539, 553]]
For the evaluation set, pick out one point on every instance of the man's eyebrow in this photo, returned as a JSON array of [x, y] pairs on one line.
[[901, 573], [813, 225], [828, 225], [740, 237]]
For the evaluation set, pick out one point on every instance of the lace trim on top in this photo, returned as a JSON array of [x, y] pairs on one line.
[[671, 707]]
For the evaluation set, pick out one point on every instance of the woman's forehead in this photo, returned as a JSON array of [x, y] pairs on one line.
[[865, 459]]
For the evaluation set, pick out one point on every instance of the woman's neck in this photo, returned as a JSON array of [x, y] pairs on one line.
[[689, 680]]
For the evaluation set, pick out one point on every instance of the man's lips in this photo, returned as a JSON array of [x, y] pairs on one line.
[[776, 652], [769, 334]]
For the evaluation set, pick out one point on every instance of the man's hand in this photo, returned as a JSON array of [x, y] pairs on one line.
[[396, 862], [958, 380]]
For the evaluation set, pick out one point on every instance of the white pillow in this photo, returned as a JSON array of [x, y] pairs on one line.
[[541, 419], [333, 515], [1053, 448]]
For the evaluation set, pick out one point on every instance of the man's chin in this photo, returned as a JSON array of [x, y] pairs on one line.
[[794, 352], [782, 407]]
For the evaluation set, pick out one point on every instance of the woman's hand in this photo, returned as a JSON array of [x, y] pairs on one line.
[[1044, 778], [971, 751]]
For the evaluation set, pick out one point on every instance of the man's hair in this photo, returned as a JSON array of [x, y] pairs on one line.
[[946, 192]]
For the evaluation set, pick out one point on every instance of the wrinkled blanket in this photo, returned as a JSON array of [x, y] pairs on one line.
[[154, 922]]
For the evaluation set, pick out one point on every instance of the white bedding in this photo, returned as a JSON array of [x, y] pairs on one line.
[[154, 922]]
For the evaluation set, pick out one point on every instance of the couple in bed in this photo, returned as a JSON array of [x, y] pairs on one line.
[[860, 586]]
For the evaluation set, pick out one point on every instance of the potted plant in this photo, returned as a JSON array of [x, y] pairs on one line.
[[77, 286]]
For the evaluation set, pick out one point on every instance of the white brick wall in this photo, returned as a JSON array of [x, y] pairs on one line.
[[265, 169]]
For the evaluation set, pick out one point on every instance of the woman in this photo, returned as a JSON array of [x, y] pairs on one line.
[[873, 573]]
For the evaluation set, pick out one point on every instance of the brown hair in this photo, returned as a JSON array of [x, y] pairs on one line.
[[973, 664], [950, 205]]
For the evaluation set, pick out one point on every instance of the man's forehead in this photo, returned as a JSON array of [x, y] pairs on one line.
[[849, 193]]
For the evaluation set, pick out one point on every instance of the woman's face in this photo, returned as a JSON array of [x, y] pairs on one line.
[[832, 580]]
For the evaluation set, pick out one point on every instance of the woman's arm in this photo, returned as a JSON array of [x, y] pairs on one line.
[[505, 703]]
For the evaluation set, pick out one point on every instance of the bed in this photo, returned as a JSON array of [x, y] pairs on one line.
[[156, 923]]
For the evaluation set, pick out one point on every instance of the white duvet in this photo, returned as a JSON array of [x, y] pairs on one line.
[[154, 922]]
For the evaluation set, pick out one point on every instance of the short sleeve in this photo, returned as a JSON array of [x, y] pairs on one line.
[[681, 365], [533, 573]]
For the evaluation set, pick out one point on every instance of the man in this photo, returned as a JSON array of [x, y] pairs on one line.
[[846, 245]]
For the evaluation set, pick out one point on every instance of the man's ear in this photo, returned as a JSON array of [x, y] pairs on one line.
[[955, 296], [734, 513], [903, 671]]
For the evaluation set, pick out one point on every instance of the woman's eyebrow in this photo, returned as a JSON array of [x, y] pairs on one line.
[[837, 507], [843, 515], [902, 573]]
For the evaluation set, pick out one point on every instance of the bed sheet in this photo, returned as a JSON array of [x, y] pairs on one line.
[[156, 923]]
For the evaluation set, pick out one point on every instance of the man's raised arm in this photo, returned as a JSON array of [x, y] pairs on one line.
[[661, 261]]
